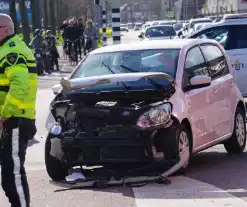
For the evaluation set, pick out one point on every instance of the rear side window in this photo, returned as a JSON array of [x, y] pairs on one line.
[[195, 64], [217, 64], [238, 37]]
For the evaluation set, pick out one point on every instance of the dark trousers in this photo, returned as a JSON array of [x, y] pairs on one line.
[[14, 140], [54, 60]]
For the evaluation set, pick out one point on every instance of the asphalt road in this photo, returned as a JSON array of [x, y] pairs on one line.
[[214, 179]]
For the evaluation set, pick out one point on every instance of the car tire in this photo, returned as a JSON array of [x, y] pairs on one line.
[[174, 147], [56, 169], [236, 144]]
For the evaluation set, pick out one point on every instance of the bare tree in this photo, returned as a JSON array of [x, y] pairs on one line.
[[45, 13], [52, 16], [12, 12], [35, 15], [24, 21]]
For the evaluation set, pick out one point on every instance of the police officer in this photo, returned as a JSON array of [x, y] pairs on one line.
[[18, 88]]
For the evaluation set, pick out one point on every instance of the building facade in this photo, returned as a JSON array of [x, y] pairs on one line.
[[141, 11], [225, 6]]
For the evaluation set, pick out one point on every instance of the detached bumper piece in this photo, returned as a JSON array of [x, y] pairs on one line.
[[118, 177], [124, 181], [101, 184]]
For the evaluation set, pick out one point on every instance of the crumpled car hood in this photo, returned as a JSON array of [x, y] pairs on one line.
[[80, 83]]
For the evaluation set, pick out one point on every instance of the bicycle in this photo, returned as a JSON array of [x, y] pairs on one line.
[[65, 49], [89, 44], [73, 53]]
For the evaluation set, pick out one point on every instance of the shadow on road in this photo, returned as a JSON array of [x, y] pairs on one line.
[[228, 172]]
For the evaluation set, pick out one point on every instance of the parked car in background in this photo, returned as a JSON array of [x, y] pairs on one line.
[[231, 33], [137, 26], [158, 32], [124, 27], [192, 22]]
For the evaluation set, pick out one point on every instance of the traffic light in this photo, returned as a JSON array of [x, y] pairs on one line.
[[96, 2]]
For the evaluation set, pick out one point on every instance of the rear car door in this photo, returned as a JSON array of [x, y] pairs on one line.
[[222, 86], [200, 106], [233, 38], [236, 48]]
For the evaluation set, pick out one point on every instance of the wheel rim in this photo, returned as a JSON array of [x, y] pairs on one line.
[[240, 129], [184, 148]]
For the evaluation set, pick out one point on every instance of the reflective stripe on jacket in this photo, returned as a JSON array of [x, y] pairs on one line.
[[18, 79]]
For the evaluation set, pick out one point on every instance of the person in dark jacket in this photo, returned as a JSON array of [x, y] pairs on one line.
[[64, 28], [73, 38], [80, 28], [52, 41]]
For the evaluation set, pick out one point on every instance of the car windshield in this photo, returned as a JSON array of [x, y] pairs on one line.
[[199, 21], [162, 60], [164, 31]]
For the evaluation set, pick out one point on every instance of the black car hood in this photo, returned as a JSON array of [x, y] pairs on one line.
[[137, 86]]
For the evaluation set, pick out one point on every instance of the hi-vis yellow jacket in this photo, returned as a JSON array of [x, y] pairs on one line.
[[18, 79]]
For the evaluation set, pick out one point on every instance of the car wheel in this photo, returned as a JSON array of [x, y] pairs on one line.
[[180, 147], [56, 169], [237, 142]]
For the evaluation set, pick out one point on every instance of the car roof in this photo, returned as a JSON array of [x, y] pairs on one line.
[[215, 24], [200, 19], [163, 25], [153, 44]]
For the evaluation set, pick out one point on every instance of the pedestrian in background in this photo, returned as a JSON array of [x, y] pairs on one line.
[[18, 86]]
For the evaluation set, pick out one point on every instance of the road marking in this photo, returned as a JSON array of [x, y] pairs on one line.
[[186, 192]]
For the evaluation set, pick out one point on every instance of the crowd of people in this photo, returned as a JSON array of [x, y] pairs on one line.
[[84, 37], [46, 48], [78, 39]]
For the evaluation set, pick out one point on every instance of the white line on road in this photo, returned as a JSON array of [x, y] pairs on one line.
[[185, 192]]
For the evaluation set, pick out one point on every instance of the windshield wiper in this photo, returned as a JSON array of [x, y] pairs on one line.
[[128, 69], [126, 86], [108, 67], [150, 80]]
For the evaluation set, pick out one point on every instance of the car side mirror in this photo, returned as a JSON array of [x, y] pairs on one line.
[[56, 89], [140, 36], [199, 81]]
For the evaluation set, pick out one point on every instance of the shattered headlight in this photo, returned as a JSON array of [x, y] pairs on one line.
[[56, 129], [160, 115]]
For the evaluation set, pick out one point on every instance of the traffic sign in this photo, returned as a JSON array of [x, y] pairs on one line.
[[170, 14]]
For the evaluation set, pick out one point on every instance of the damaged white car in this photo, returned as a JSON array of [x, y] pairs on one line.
[[139, 111]]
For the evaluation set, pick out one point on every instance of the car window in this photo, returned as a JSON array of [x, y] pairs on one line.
[[219, 34], [160, 60], [238, 37], [160, 31], [195, 64], [217, 64], [199, 21]]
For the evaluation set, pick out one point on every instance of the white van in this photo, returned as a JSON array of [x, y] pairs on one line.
[[231, 32]]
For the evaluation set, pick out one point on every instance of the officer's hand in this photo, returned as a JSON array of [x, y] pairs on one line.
[[2, 120]]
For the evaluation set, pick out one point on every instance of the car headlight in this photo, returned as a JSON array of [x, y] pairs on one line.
[[157, 116], [56, 129]]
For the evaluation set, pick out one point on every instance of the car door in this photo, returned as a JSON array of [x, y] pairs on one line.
[[237, 51], [221, 89], [234, 40], [199, 104]]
